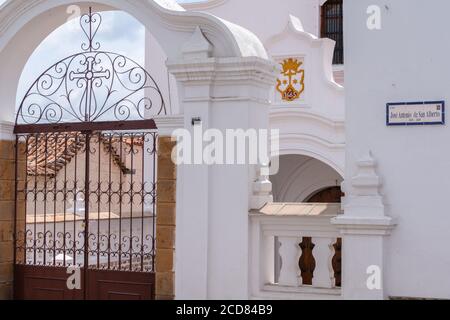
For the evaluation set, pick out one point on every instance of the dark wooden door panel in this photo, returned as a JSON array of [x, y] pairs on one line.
[[44, 283], [50, 283], [118, 285]]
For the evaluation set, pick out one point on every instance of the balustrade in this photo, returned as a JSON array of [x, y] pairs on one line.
[[295, 252]]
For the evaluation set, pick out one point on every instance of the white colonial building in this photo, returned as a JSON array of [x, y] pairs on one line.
[[357, 209], [307, 108]]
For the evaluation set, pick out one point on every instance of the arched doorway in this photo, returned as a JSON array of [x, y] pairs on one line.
[[86, 177], [304, 179], [327, 195]]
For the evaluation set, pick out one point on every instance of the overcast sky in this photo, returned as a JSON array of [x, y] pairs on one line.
[[120, 33]]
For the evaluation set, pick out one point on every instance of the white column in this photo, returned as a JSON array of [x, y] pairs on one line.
[[363, 226], [290, 253], [323, 254], [212, 254]]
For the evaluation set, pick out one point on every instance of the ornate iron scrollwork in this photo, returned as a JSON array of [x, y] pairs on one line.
[[92, 86]]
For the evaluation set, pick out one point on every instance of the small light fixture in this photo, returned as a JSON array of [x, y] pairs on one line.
[[196, 121]]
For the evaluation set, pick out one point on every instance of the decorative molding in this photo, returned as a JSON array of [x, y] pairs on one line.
[[262, 189], [168, 124], [367, 182], [310, 133], [363, 192], [326, 46], [335, 165], [295, 27], [316, 152], [258, 71], [363, 204], [365, 226]]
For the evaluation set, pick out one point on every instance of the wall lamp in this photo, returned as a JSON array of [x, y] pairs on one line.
[[196, 121]]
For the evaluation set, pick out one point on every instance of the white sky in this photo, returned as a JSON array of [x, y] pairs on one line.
[[119, 33]]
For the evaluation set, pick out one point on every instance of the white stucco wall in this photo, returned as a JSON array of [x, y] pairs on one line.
[[251, 13], [407, 60], [155, 64]]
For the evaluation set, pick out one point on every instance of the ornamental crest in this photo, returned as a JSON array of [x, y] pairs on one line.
[[291, 83]]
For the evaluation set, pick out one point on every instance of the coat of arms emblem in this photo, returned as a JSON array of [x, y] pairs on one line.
[[291, 83]]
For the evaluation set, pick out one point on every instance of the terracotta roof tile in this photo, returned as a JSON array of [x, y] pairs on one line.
[[49, 153]]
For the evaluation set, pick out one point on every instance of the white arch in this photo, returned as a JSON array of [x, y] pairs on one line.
[[321, 155], [309, 133], [161, 17], [300, 176], [24, 24], [297, 173]]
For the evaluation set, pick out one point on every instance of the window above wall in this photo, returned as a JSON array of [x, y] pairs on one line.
[[332, 27]]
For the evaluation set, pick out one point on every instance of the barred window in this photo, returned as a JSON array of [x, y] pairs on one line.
[[333, 27]]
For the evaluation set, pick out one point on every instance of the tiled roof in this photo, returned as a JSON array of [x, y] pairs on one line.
[[301, 209], [50, 153]]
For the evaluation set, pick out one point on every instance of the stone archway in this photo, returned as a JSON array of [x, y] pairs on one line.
[[207, 56]]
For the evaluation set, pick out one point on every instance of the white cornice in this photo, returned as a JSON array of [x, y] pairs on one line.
[[382, 226], [259, 71], [168, 124]]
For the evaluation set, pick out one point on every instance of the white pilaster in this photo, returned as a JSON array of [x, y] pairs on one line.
[[7, 131], [212, 223], [364, 226]]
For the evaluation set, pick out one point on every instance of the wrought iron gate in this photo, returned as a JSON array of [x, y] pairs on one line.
[[86, 178]]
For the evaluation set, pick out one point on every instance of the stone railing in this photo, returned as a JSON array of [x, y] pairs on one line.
[[295, 252]]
